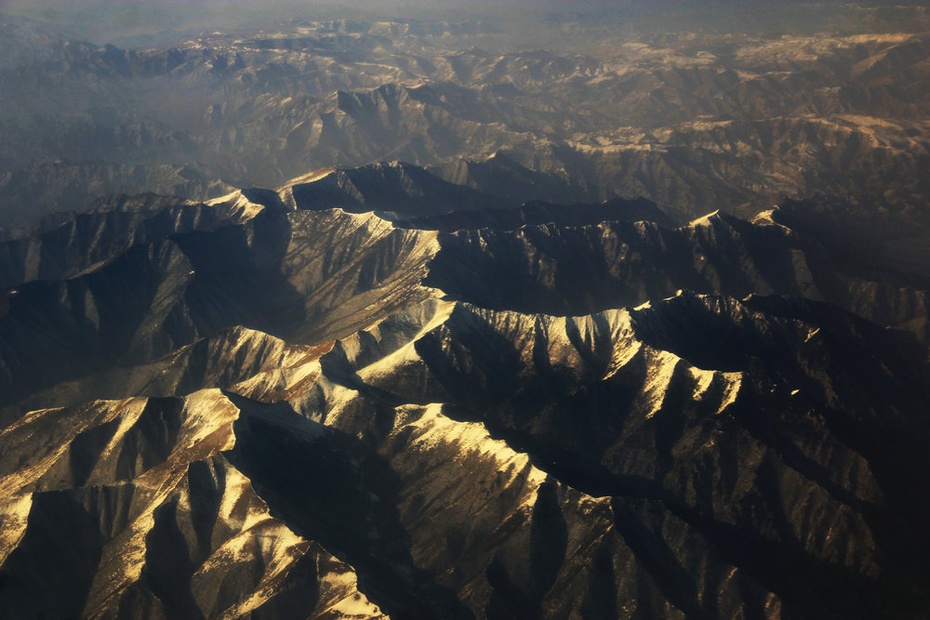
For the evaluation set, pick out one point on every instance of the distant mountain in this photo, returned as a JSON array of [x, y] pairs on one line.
[[734, 120]]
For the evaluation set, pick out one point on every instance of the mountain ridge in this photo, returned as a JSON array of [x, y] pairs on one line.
[[630, 322]]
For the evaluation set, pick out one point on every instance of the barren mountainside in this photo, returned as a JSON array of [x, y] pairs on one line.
[[654, 420], [551, 312]]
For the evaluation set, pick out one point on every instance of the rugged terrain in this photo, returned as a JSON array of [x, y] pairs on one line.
[[721, 109], [417, 319], [655, 420]]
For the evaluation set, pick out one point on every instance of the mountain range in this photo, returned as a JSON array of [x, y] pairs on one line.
[[576, 313], [728, 118], [264, 405]]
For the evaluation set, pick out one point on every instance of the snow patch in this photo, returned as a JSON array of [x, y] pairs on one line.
[[705, 220], [14, 517], [310, 177], [765, 219]]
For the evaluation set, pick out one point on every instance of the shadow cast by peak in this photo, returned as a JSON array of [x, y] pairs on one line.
[[335, 489]]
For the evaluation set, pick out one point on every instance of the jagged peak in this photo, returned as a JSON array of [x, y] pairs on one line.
[[765, 218], [687, 297], [705, 220], [391, 164], [251, 201], [392, 91], [606, 343], [770, 218], [714, 218], [310, 177]]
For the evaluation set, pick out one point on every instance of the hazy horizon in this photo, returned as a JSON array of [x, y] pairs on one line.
[[133, 22]]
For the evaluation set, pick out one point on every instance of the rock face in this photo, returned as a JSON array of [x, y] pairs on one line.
[[269, 407]]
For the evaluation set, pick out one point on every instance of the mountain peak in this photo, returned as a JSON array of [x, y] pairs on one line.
[[714, 218]]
